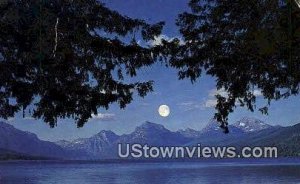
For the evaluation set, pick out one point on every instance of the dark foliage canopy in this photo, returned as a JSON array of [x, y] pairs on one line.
[[68, 58], [246, 45]]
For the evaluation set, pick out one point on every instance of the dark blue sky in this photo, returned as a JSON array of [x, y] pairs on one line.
[[191, 105]]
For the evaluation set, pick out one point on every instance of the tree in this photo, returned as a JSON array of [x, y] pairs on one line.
[[68, 58], [245, 45]]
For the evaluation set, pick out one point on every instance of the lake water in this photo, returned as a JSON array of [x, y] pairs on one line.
[[204, 172]]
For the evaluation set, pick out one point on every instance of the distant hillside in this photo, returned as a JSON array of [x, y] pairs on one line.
[[12, 155], [286, 139], [27, 143]]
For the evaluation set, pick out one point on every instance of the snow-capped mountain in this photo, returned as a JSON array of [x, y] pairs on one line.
[[251, 125], [153, 134], [96, 146], [27, 143], [189, 133], [213, 128], [105, 143]]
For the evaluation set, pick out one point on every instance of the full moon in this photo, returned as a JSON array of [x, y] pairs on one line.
[[164, 110]]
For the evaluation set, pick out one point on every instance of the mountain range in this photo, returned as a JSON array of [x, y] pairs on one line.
[[104, 145]]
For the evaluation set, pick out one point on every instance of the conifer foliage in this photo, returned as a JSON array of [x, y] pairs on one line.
[[68, 58]]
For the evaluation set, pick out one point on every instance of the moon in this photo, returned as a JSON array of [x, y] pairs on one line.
[[164, 110]]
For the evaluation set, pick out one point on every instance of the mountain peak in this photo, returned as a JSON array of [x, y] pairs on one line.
[[150, 125], [106, 132], [7, 125], [107, 135], [190, 133], [251, 124], [187, 130], [211, 125]]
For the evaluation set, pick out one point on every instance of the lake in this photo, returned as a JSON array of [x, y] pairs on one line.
[[204, 172]]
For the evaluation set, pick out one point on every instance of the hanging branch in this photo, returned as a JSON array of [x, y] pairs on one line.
[[55, 40], [298, 3]]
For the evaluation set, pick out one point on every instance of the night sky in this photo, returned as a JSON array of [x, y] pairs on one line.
[[192, 105]]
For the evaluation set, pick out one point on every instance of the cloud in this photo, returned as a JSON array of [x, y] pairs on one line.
[[222, 92], [158, 40], [214, 92], [10, 119], [188, 106], [145, 104], [104, 117], [156, 93], [28, 118], [210, 103], [257, 93]]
